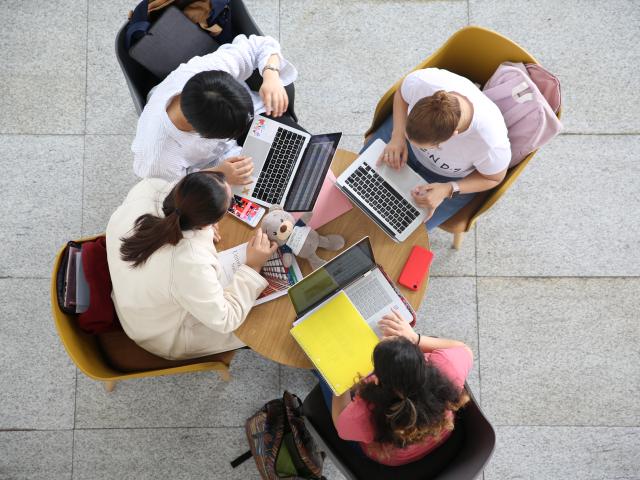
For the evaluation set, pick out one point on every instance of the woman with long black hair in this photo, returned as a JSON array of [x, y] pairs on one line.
[[165, 271], [406, 408]]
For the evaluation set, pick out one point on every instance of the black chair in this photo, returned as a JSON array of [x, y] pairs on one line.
[[140, 81], [463, 456]]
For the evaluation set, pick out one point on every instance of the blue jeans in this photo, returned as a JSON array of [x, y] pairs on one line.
[[449, 206], [327, 394]]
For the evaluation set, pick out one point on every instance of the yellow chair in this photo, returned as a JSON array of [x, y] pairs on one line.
[[474, 53], [86, 353]]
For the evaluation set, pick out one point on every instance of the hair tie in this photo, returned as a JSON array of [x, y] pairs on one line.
[[177, 212]]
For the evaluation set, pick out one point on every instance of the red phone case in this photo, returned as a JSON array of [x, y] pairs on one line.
[[416, 268]]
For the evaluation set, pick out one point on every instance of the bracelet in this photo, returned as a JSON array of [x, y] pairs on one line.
[[270, 67], [418, 342]]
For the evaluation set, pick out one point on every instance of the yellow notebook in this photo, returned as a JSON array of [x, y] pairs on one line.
[[338, 341]]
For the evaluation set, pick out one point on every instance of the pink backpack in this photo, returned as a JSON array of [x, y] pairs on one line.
[[529, 98]]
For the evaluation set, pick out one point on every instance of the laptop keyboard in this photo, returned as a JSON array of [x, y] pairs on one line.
[[278, 167], [382, 198], [368, 295]]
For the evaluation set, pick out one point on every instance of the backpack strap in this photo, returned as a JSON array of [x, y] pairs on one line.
[[241, 459]]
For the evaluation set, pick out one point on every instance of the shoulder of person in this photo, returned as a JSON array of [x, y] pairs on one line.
[[490, 124], [148, 190], [196, 247], [455, 362], [437, 77]]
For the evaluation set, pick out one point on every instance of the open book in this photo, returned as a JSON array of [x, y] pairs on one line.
[[280, 278]]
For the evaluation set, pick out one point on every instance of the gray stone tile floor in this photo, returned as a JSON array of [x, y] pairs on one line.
[[545, 289]]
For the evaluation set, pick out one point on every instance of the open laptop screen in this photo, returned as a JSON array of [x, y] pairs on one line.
[[310, 175], [332, 277]]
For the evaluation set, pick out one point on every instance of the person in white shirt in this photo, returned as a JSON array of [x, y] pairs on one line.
[[193, 117], [165, 272], [449, 132]]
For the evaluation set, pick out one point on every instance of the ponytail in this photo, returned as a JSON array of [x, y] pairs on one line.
[[198, 200], [150, 234]]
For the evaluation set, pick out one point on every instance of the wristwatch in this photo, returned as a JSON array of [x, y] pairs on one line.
[[455, 189], [268, 66]]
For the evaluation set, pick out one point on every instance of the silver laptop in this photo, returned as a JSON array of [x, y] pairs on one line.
[[356, 273], [384, 193], [289, 164]]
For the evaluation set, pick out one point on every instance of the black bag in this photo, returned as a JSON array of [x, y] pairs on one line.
[[219, 16], [280, 442], [160, 52]]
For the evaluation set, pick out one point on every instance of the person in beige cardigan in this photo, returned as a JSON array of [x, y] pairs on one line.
[[165, 271]]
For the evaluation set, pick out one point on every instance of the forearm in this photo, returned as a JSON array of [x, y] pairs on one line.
[[338, 404], [428, 344], [476, 182], [400, 113]]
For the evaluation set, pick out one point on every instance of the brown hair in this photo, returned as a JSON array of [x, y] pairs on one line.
[[434, 119], [199, 199]]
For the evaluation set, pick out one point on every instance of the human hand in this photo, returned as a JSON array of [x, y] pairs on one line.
[[431, 195], [273, 94], [237, 170], [259, 249], [393, 325], [395, 153], [216, 233]]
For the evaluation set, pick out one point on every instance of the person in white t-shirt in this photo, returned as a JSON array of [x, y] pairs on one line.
[[194, 116], [451, 134]]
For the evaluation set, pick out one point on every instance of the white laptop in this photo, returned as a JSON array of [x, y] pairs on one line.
[[289, 164], [355, 272], [384, 193]]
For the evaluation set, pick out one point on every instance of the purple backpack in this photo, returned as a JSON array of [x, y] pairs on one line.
[[529, 98]]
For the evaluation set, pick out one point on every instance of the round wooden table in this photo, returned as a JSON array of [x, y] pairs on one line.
[[266, 329]]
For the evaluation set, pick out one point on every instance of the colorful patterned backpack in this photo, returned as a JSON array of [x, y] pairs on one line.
[[280, 442]]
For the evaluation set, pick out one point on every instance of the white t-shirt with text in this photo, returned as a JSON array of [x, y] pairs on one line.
[[484, 146]]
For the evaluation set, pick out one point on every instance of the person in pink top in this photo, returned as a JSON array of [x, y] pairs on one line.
[[406, 407]]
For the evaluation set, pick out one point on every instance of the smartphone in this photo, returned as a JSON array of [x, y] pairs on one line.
[[246, 211], [416, 268]]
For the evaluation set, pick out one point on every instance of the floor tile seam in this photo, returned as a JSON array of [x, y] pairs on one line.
[[12, 277], [562, 277], [219, 427], [279, 19], [452, 276], [7, 430], [40, 134], [73, 450], [86, 67]]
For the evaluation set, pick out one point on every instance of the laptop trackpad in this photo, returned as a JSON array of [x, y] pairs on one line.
[[374, 297], [258, 150], [404, 180]]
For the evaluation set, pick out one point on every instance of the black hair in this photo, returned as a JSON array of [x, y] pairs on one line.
[[412, 397], [216, 105], [199, 199]]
